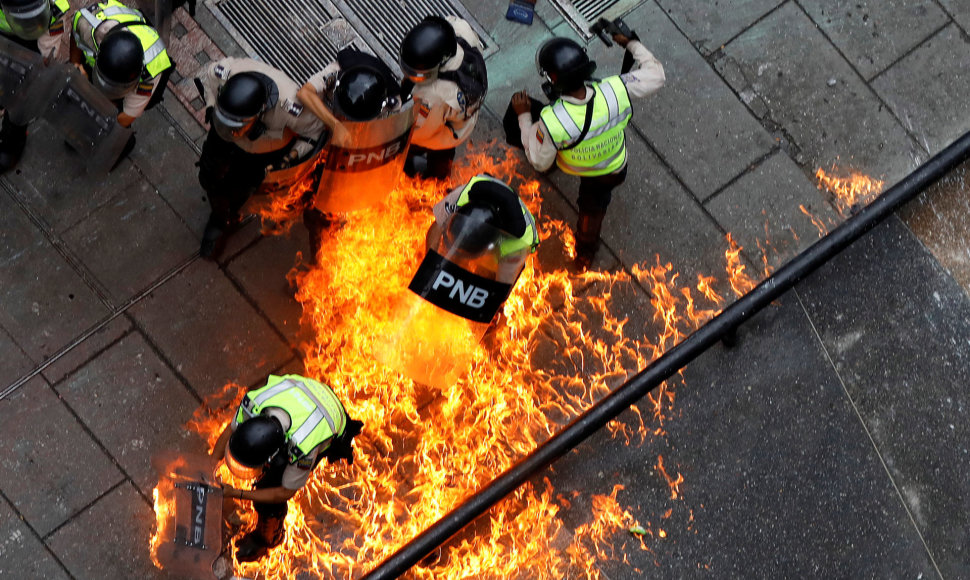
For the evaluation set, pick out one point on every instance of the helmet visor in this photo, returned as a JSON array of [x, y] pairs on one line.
[[111, 89], [230, 127], [240, 470], [418, 76], [28, 22]]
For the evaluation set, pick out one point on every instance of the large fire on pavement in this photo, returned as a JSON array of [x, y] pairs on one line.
[[563, 341]]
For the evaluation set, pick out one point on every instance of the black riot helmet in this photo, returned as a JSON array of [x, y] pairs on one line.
[[564, 63], [254, 442], [28, 19], [472, 228], [239, 104], [426, 47], [119, 63], [360, 93]]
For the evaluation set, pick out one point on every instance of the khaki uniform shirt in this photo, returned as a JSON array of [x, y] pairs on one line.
[[134, 102], [644, 80], [284, 122], [442, 120]]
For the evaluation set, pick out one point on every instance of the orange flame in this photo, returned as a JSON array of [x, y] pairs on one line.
[[849, 191], [558, 347]]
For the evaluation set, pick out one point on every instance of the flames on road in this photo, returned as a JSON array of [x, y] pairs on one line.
[[563, 341]]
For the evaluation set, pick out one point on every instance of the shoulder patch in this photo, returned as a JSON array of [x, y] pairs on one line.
[[539, 136], [145, 88], [221, 71], [305, 463], [292, 107], [461, 101], [423, 110], [57, 28]]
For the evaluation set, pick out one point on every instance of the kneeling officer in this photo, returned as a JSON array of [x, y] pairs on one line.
[[279, 434]]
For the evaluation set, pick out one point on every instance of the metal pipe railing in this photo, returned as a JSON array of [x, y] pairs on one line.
[[673, 360]]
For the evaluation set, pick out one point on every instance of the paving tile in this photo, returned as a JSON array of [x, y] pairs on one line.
[[261, 271], [695, 122], [14, 363], [207, 329], [51, 468], [168, 162], [780, 479], [761, 210], [119, 549], [874, 34], [940, 218], [52, 181], [138, 413], [45, 303], [507, 72], [708, 25], [145, 240], [899, 337], [22, 555], [959, 11], [791, 76], [87, 348], [926, 94]]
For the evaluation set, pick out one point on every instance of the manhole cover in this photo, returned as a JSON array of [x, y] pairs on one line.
[[301, 37]]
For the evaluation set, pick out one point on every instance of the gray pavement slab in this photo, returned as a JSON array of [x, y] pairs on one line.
[[780, 479], [261, 272], [89, 347], [22, 554], [130, 242], [901, 343], [874, 34], [52, 181], [51, 468], [141, 386], [14, 362], [695, 122], [45, 302], [109, 539], [210, 333], [787, 66], [512, 68], [959, 11], [940, 218], [762, 211], [709, 26], [926, 95]]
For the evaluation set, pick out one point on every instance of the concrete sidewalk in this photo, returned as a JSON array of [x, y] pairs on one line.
[[832, 441]]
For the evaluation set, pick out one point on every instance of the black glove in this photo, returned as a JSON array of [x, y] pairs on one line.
[[342, 447]]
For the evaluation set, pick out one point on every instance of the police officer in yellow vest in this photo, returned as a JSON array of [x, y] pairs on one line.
[[582, 131], [122, 55], [487, 204], [36, 25], [279, 434]]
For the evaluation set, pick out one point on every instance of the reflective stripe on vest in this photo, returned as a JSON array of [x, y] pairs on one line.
[[156, 57], [529, 239], [603, 149], [58, 8], [315, 413]]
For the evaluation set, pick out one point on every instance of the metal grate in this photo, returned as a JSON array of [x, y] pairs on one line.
[[580, 14], [298, 36]]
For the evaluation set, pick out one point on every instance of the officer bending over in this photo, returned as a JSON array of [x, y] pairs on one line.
[[115, 47], [36, 25], [356, 87], [442, 57], [582, 131], [277, 437], [256, 122]]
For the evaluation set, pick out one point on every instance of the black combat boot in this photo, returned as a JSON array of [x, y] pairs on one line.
[[257, 543], [13, 139], [587, 238]]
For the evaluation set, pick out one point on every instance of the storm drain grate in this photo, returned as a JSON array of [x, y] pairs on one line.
[[301, 37], [580, 14]]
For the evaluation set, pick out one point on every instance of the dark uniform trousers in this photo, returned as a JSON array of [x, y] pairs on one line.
[[430, 163]]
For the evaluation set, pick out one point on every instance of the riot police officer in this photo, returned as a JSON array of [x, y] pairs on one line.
[[122, 55], [279, 434], [256, 122], [582, 130], [356, 87], [36, 25], [442, 57]]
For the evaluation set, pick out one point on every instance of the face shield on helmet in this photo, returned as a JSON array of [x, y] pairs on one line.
[[111, 89], [28, 19], [470, 232], [241, 470], [426, 47], [231, 127], [253, 444]]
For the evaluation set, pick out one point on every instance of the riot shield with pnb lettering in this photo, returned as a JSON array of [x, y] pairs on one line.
[[366, 164], [26, 87]]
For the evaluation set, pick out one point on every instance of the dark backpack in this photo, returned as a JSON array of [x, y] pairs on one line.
[[471, 77]]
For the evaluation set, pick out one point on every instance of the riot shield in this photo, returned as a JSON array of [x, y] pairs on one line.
[[454, 295], [26, 87], [279, 180], [366, 164], [88, 121], [188, 517]]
